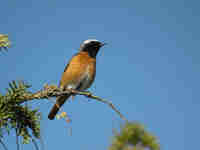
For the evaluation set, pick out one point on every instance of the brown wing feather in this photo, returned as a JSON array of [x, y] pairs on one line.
[[76, 69], [72, 75]]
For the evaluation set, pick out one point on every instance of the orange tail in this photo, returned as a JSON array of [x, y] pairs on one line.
[[59, 102]]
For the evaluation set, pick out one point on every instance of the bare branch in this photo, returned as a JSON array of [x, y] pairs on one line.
[[54, 91], [17, 139], [89, 95], [3, 144], [35, 144]]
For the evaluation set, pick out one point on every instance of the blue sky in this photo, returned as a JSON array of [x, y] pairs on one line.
[[149, 70]]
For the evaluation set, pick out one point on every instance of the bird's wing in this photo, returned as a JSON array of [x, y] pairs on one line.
[[75, 76], [75, 71], [67, 67]]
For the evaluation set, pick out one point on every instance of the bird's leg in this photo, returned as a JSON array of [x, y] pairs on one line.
[[73, 97]]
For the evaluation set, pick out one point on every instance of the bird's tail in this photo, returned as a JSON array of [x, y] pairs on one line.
[[59, 102]]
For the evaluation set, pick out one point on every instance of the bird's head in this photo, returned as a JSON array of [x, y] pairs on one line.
[[91, 46]]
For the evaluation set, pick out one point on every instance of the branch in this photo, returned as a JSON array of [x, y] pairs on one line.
[[17, 139], [3, 144], [15, 115], [54, 91], [89, 95], [35, 144]]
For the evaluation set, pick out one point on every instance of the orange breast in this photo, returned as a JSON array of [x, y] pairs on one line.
[[79, 67]]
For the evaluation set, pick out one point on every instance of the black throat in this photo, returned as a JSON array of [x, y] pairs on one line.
[[92, 51]]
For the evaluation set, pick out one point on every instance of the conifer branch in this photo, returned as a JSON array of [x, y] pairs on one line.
[[15, 115], [54, 91]]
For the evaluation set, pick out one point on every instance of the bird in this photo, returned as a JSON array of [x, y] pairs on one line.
[[80, 72]]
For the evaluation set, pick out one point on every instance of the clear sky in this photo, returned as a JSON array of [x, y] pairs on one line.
[[149, 70]]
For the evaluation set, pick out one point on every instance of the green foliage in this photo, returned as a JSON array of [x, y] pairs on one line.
[[16, 116], [132, 135], [4, 42]]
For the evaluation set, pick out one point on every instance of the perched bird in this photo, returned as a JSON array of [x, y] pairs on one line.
[[79, 73]]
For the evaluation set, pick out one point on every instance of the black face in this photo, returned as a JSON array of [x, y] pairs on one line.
[[91, 47]]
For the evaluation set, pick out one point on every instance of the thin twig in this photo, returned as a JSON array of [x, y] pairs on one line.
[[89, 95], [3, 144], [41, 137], [17, 139], [53, 91], [35, 144]]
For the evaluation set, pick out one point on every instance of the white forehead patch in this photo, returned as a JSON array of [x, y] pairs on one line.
[[90, 40]]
